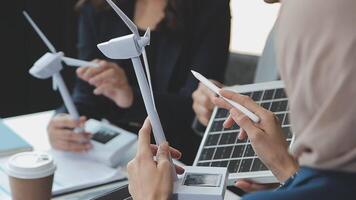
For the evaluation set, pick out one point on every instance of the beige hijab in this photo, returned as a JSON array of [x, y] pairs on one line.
[[316, 53]]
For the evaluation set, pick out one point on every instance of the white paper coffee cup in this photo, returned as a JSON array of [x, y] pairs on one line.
[[31, 175]]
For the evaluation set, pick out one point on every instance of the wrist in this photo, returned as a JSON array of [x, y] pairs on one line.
[[124, 97], [286, 169], [130, 96]]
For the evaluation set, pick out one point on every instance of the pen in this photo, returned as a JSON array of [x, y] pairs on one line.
[[216, 90]]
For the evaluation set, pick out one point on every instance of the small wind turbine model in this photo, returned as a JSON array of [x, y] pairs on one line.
[[50, 65], [197, 182], [109, 142]]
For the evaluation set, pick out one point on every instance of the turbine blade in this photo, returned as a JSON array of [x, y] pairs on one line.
[[39, 32], [132, 26], [148, 35], [147, 68], [145, 39], [54, 85], [78, 63]]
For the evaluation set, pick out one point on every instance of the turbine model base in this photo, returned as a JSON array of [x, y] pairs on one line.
[[110, 143], [201, 183]]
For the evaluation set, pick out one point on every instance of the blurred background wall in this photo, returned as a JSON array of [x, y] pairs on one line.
[[20, 47], [251, 21]]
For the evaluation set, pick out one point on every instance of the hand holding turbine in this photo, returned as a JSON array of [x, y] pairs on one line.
[[131, 47], [50, 65]]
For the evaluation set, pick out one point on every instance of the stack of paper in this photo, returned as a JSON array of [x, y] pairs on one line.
[[74, 171]]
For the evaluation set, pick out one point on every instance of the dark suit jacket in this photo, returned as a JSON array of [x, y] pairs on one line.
[[312, 184], [201, 46]]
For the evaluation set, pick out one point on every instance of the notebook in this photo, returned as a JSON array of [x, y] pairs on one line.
[[10, 142]]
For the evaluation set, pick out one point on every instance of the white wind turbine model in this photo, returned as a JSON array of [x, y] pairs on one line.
[[197, 182], [109, 142], [50, 65]]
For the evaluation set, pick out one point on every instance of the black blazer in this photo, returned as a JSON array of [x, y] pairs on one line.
[[203, 46]]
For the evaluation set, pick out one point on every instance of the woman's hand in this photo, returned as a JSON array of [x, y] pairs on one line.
[[150, 179], [62, 136], [203, 102], [109, 80], [266, 136]]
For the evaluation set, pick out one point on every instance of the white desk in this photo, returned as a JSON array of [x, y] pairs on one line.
[[32, 128]]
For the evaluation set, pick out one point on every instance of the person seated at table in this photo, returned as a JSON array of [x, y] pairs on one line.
[[184, 35], [316, 48], [203, 105]]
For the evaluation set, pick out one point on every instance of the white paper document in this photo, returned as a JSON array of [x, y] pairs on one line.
[[74, 171]]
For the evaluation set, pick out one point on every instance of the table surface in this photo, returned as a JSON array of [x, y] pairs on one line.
[[32, 128]]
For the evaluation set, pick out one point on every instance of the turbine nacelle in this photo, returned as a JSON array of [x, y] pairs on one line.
[[48, 65], [125, 47], [51, 63]]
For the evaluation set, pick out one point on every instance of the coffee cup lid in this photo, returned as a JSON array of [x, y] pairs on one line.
[[30, 165]]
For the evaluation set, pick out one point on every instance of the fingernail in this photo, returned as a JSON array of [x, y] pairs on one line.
[[164, 145], [240, 135], [233, 112], [224, 124]]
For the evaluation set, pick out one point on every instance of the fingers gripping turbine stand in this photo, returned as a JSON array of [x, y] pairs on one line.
[[197, 182]]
